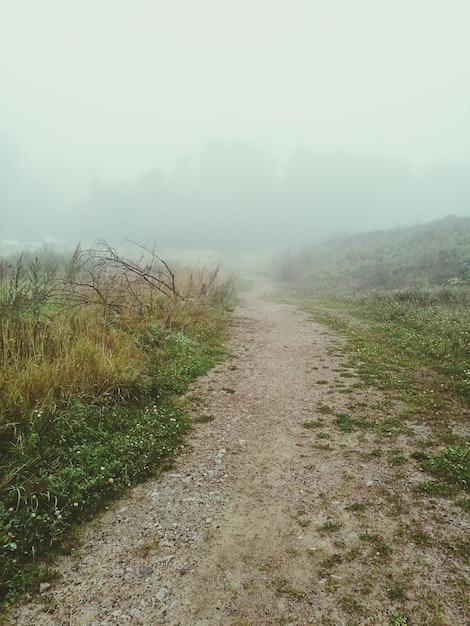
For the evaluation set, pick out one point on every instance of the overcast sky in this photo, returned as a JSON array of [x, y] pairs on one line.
[[124, 85]]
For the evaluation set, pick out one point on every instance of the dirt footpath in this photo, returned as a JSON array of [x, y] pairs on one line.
[[272, 514]]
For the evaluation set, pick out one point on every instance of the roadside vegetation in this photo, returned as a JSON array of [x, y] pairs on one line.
[[401, 299], [415, 345], [95, 347]]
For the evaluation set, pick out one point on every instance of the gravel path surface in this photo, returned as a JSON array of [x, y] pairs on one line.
[[264, 520]]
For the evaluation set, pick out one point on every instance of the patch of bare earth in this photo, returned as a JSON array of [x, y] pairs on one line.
[[272, 514]]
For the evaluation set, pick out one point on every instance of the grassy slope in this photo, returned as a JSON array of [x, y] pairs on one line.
[[402, 298], [402, 301], [426, 255]]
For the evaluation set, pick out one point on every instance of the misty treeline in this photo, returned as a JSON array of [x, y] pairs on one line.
[[233, 197]]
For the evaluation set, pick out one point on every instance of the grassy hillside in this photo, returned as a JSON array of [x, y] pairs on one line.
[[412, 285], [402, 300], [428, 255], [94, 350]]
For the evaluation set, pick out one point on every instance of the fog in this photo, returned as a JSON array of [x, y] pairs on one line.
[[241, 126]]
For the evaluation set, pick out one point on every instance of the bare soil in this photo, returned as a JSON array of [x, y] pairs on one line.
[[272, 514]]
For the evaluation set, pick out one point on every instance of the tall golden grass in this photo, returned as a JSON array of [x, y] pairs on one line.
[[74, 330]]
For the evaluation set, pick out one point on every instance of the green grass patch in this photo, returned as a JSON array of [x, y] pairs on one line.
[[330, 526], [463, 503], [349, 424], [398, 619], [398, 591], [398, 459], [357, 507], [352, 605], [324, 409], [451, 467], [460, 547], [312, 424]]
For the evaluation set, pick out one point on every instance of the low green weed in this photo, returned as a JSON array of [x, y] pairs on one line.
[[398, 591], [398, 459], [352, 605], [312, 423], [451, 467], [460, 546], [420, 536], [357, 507], [329, 526], [349, 424], [463, 503], [379, 547], [325, 409]]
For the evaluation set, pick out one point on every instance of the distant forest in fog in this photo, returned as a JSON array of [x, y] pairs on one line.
[[233, 198]]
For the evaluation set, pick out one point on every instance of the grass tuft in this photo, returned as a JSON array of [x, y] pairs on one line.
[[451, 466], [349, 424]]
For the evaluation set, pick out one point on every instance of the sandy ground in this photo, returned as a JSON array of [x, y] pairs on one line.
[[264, 520]]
